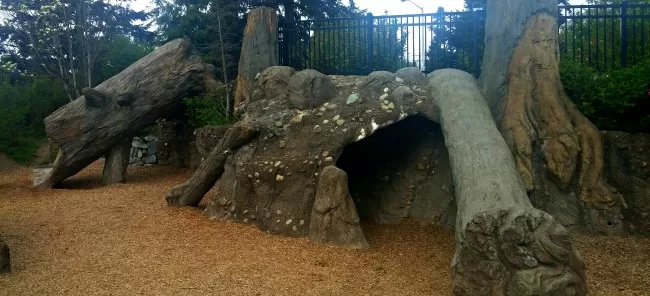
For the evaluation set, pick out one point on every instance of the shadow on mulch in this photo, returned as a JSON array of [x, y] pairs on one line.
[[89, 182]]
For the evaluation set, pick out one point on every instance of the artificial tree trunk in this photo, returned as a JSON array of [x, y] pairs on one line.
[[259, 51], [192, 191], [547, 134], [116, 162], [504, 246], [98, 122]]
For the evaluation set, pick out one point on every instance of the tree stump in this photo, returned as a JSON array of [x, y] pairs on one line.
[[100, 120], [259, 51], [504, 246]]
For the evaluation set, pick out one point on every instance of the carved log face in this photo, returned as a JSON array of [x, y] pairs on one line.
[[154, 86]]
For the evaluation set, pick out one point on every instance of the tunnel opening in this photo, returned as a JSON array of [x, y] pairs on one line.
[[401, 172]]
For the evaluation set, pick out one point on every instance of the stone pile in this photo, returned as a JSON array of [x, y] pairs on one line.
[[143, 151]]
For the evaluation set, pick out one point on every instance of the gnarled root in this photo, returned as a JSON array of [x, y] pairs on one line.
[[516, 252], [536, 111]]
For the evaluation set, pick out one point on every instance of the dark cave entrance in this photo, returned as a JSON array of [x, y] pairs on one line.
[[401, 172]]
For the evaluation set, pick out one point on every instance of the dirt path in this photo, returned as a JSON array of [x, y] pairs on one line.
[[124, 240]]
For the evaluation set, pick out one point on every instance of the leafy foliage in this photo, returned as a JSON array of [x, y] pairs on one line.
[[609, 99], [64, 39], [208, 109], [24, 102]]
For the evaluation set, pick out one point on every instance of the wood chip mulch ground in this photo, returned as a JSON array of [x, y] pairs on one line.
[[124, 240]]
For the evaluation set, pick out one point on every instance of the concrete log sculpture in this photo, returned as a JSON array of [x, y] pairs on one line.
[[102, 120], [504, 246], [259, 51], [405, 147]]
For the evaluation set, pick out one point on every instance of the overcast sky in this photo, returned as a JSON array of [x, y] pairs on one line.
[[379, 7]]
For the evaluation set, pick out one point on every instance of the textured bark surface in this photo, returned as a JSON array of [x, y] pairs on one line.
[[154, 86], [116, 163], [334, 218], [259, 50], [192, 191], [5, 257], [504, 246], [549, 137]]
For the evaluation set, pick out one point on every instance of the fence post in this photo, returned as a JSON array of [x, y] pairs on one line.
[[286, 40], [476, 17], [624, 33], [371, 41]]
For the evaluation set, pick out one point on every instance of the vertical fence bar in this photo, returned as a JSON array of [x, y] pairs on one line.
[[573, 34], [589, 62], [371, 47], [476, 64], [597, 40], [624, 6], [582, 37], [642, 16]]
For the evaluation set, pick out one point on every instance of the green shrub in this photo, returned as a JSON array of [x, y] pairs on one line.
[[24, 103], [208, 109], [604, 97]]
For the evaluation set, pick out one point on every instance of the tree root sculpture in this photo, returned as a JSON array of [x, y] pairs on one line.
[[192, 191], [533, 111]]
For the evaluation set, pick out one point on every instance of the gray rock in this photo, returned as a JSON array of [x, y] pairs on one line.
[[353, 99], [151, 159], [150, 138], [377, 81], [310, 89], [334, 218], [411, 75], [274, 81], [403, 94], [139, 145], [152, 150]]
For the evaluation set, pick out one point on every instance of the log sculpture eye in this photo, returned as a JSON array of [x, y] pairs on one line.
[[94, 98], [124, 100]]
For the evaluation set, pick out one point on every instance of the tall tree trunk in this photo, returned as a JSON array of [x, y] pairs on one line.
[[504, 246], [259, 50], [224, 67], [551, 140]]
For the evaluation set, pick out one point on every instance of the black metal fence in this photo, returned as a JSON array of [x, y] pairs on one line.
[[605, 36], [602, 36]]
